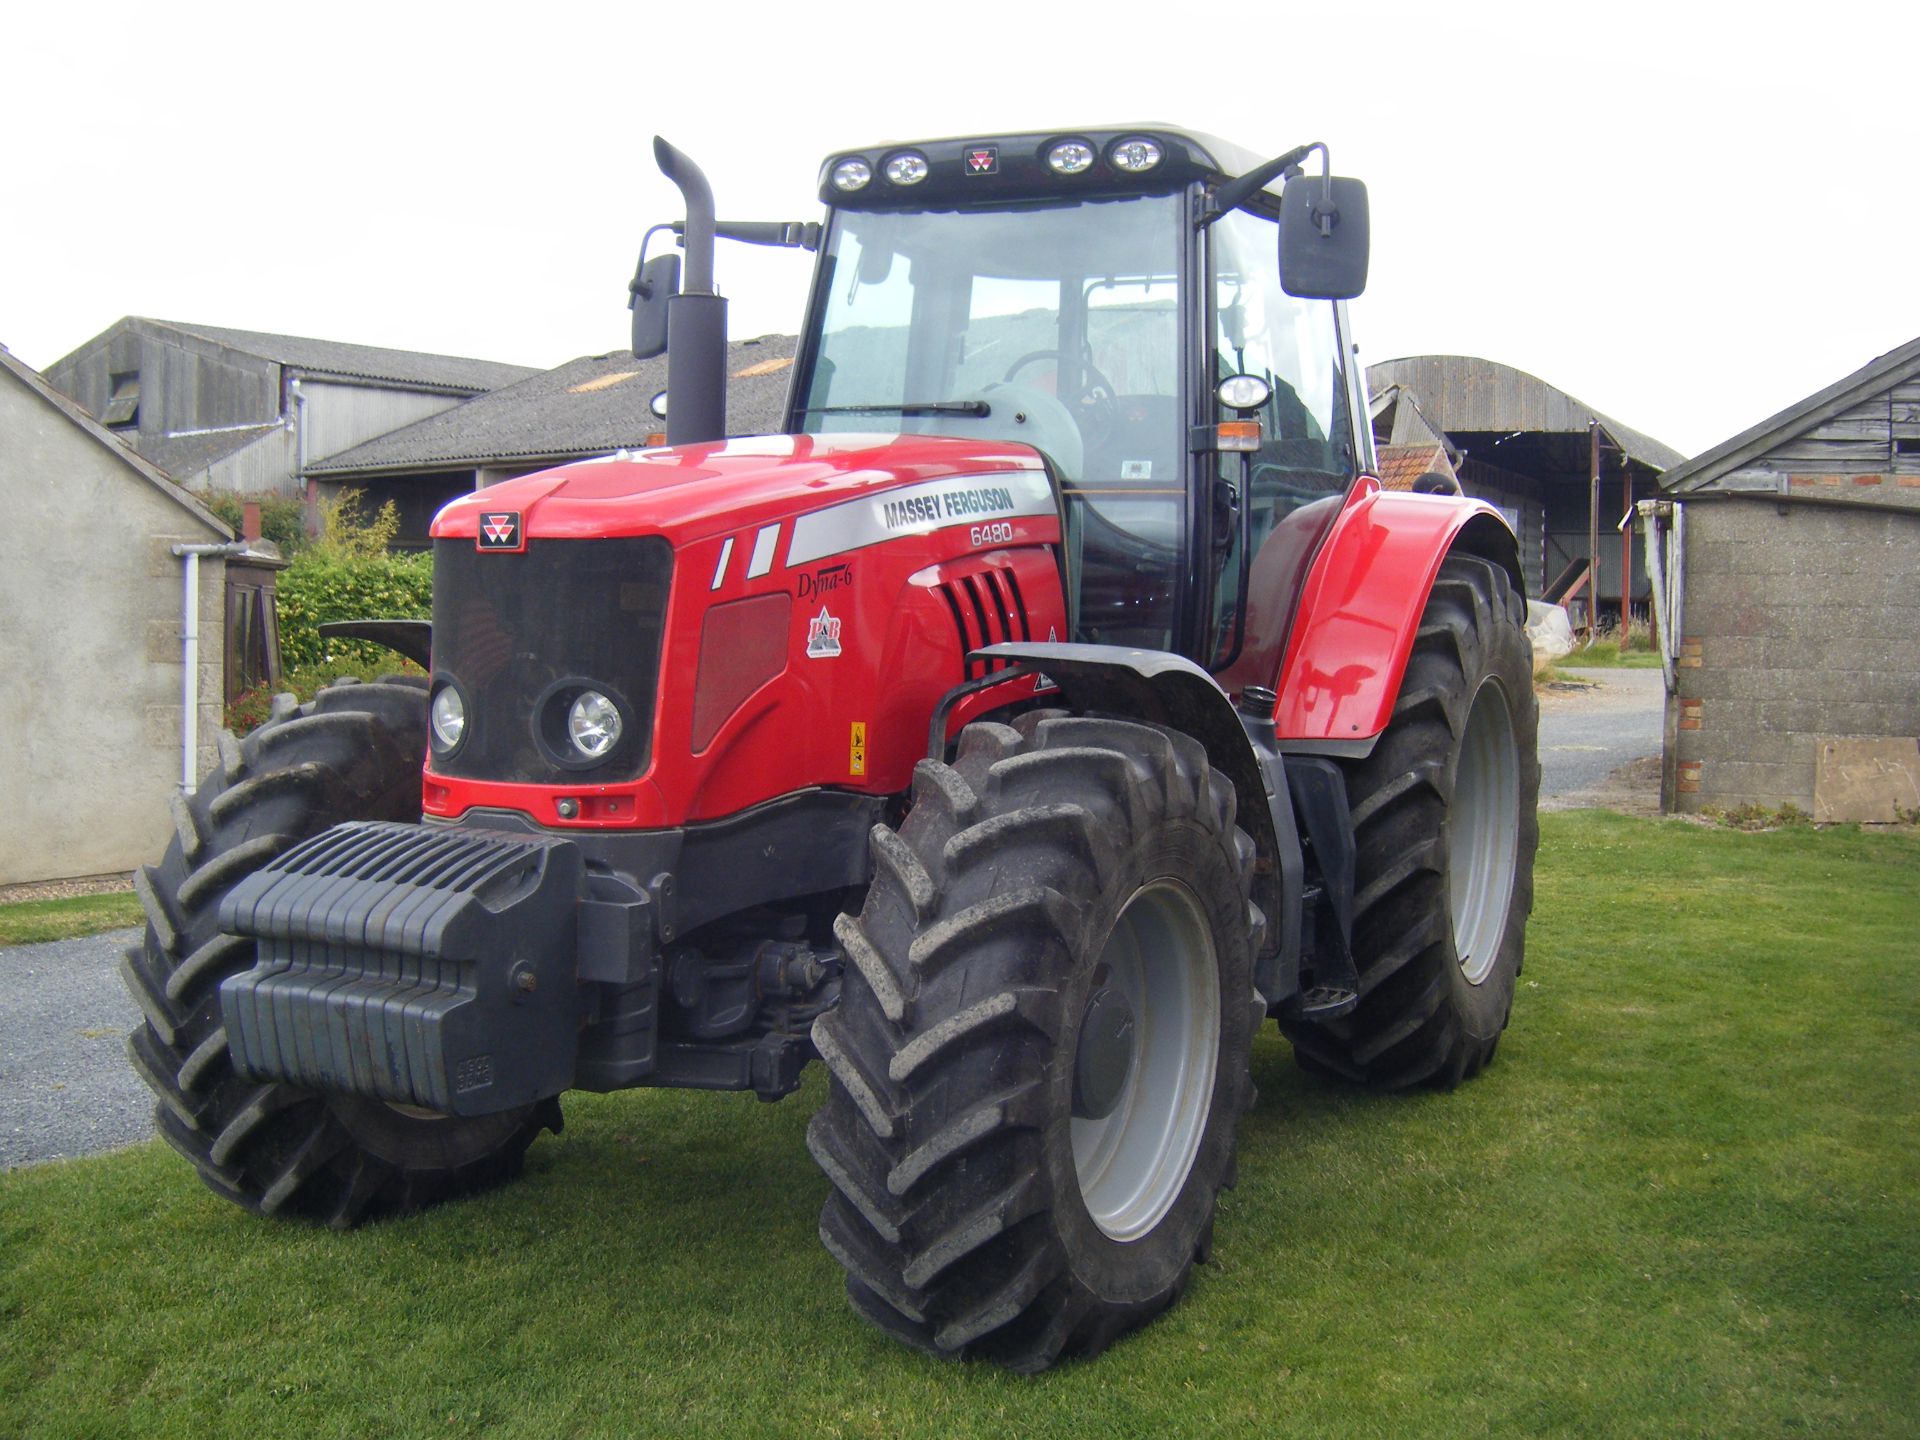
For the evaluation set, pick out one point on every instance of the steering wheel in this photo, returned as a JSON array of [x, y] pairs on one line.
[[1092, 409]]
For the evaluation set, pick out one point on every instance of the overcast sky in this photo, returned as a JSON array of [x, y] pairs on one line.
[[1688, 216]]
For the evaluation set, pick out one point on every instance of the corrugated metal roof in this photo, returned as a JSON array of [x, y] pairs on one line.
[[590, 406], [1881, 373], [362, 362], [188, 454], [1465, 394]]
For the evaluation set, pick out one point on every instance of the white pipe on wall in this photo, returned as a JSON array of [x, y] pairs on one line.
[[190, 652], [1665, 525]]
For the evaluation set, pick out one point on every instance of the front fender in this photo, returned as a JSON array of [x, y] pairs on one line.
[[411, 638], [1171, 691], [1360, 609]]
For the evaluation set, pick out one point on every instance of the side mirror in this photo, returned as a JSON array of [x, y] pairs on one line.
[[1323, 237], [658, 279]]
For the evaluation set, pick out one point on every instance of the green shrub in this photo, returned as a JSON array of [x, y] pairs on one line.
[[347, 573], [283, 519]]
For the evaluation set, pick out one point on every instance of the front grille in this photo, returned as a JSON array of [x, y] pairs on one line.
[[987, 609], [512, 629]]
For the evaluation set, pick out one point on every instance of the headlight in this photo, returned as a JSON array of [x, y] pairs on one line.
[[593, 724], [449, 717]]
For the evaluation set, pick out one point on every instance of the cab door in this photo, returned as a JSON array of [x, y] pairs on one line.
[[1313, 445]]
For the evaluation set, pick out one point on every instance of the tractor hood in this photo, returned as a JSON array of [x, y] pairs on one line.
[[690, 493]]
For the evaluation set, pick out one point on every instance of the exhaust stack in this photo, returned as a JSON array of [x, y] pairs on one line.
[[696, 317]]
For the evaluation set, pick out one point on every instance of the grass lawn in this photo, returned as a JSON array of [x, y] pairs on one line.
[[1607, 655], [1685, 1201], [28, 922]]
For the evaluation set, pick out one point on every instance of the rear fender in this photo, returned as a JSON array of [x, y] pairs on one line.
[[1360, 610]]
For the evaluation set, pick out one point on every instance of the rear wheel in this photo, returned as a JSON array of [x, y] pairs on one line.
[[1445, 827], [1041, 1052], [353, 753]]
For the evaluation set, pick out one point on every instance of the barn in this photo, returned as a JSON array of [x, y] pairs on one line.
[[1562, 472], [247, 412], [591, 406]]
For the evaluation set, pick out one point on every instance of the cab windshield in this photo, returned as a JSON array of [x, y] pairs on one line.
[[1057, 326]]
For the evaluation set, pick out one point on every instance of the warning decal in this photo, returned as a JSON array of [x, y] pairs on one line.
[[857, 749]]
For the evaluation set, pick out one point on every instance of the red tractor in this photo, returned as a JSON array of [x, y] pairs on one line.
[[1057, 699]]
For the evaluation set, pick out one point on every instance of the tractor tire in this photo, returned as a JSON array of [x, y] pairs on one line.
[[352, 753], [1040, 1055], [1445, 828]]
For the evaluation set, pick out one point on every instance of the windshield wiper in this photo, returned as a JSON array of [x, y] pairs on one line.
[[978, 408]]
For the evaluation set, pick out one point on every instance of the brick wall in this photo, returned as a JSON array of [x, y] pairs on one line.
[[1800, 621]]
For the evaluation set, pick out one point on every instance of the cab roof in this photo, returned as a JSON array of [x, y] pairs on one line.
[[983, 169]]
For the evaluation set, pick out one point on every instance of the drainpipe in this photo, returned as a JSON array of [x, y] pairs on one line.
[[300, 454], [1663, 519], [190, 652]]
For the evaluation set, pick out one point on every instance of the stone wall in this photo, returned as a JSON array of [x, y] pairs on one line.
[[1801, 622], [90, 691]]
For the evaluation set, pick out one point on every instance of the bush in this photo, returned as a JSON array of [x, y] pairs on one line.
[[347, 573], [283, 520]]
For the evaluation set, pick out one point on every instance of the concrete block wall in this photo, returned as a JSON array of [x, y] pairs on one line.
[[1801, 622]]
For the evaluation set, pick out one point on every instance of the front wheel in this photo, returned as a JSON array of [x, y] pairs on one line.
[[1445, 830], [1041, 1052], [352, 753]]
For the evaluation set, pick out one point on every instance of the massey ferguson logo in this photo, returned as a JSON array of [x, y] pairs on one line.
[[500, 530], [984, 160]]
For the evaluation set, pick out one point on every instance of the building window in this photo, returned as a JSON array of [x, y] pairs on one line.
[[1906, 454], [123, 407]]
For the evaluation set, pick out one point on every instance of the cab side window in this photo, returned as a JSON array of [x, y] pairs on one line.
[[1305, 436]]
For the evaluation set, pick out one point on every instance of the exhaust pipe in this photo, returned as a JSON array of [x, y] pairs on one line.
[[696, 317]]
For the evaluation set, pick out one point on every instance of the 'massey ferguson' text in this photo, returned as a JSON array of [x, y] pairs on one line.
[[914, 510]]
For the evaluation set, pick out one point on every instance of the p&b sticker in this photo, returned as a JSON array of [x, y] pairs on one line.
[[500, 530], [857, 749], [823, 636]]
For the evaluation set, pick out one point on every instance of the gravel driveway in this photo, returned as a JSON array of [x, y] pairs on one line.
[[65, 1085], [66, 1088], [1600, 742]]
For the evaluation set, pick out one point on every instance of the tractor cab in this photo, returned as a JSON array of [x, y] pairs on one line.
[[1091, 295]]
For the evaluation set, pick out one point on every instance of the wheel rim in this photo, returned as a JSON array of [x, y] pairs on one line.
[[1485, 833], [1133, 1161]]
